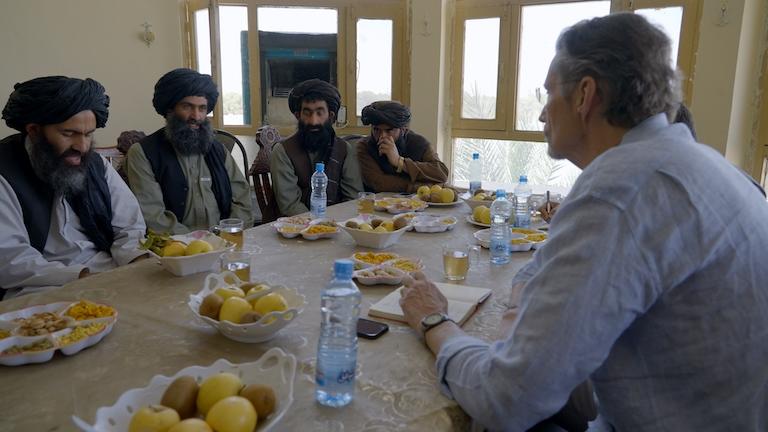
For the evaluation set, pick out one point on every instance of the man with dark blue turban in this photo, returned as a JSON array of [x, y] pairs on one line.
[[64, 210], [184, 179], [394, 158], [315, 104]]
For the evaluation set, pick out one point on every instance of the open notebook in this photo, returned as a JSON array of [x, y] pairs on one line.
[[462, 302]]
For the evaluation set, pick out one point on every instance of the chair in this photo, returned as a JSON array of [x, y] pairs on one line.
[[229, 141], [266, 138]]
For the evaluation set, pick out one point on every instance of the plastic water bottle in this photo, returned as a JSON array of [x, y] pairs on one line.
[[475, 174], [337, 347], [501, 209], [522, 210], [319, 199]]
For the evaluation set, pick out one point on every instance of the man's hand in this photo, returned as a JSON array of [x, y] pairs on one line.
[[420, 297], [388, 148]]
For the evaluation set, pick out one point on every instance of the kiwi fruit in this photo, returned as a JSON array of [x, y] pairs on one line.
[[351, 224], [400, 223], [181, 395], [376, 222], [262, 397], [250, 317], [211, 305]]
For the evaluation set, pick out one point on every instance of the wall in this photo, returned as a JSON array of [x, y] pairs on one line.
[[97, 39]]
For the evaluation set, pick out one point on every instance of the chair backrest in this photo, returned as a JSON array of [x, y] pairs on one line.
[[266, 138], [230, 141]]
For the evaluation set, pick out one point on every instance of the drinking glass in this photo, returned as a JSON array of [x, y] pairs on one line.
[[457, 260], [238, 263], [231, 230], [365, 202]]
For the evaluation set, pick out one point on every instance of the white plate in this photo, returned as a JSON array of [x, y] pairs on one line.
[[365, 277], [263, 330], [433, 223], [359, 263], [187, 265], [295, 220], [472, 220], [288, 230], [440, 204], [309, 236], [275, 368], [483, 238]]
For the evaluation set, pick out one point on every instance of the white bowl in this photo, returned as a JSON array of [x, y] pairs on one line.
[[187, 265], [433, 223], [309, 236], [472, 203], [373, 239], [288, 230], [484, 239], [361, 263], [275, 368], [263, 330], [370, 276]]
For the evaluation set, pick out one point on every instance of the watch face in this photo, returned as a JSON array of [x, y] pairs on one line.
[[433, 319]]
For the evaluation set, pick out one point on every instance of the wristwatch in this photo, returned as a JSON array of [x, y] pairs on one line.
[[433, 320]]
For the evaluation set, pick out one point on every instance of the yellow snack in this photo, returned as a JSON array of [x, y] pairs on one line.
[[4, 334], [536, 237], [320, 229], [373, 257], [81, 332], [84, 310]]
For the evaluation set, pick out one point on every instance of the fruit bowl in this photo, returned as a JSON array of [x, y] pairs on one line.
[[264, 329], [472, 202], [187, 265], [373, 239], [275, 368]]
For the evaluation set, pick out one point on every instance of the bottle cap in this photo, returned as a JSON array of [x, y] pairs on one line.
[[501, 193], [320, 167], [523, 178], [342, 268], [475, 156]]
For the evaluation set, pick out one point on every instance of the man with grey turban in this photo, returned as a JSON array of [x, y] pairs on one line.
[[64, 210], [393, 158], [315, 103], [184, 179]]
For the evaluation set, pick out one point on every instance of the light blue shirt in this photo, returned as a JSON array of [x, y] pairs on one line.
[[654, 284]]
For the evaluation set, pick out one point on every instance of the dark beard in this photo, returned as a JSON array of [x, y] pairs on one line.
[[315, 138], [186, 140], [51, 168]]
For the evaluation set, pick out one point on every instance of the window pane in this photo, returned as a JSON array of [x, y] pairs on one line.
[[541, 25], [481, 68], [670, 19], [295, 44], [203, 41], [374, 61], [504, 162], [235, 83]]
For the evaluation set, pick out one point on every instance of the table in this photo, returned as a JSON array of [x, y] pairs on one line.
[[396, 387]]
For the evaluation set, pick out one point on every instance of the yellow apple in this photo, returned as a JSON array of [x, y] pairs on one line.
[[269, 303], [153, 418], [232, 414], [447, 195], [380, 229], [173, 249], [423, 192], [233, 309], [365, 227], [485, 216], [191, 425], [435, 188], [215, 388], [228, 291], [388, 225], [197, 247], [257, 288]]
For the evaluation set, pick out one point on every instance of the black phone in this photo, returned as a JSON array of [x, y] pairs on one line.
[[370, 329]]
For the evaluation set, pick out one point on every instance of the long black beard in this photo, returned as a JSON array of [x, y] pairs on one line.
[[315, 138], [51, 168], [186, 140]]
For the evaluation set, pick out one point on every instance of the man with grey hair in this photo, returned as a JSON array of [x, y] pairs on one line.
[[653, 281]]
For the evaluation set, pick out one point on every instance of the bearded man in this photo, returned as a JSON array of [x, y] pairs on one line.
[[315, 104], [64, 210], [394, 158], [184, 179]]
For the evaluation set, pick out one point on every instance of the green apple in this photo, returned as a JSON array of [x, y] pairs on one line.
[[153, 418], [217, 387], [191, 425], [233, 309], [232, 414]]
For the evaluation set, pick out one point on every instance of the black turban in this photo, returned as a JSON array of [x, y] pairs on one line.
[[180, 83], [390, 113], [314, 89], [53, 100]]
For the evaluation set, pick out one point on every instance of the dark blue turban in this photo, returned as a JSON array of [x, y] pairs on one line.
[[53, 100], [180, 83]]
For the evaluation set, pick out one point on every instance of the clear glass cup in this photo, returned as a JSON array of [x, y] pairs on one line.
[[365, 202], [238, 263], [230, 230], [458, 258]]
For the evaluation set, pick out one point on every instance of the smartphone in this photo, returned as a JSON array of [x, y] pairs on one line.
[[370, 329]]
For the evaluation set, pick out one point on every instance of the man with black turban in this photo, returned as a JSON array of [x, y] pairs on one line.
[[394, 158], [184, 179], [315, 103], [64, 210]]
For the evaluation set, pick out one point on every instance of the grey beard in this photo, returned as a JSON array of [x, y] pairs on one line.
[[50, 167], [188, 141]]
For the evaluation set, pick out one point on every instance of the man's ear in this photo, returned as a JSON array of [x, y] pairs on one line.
[[34, 130], [332, 116], [587, 98], [297, 115]]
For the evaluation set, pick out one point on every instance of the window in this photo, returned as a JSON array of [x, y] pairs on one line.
[[295, 41]]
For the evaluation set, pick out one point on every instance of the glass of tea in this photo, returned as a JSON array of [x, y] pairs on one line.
[[457, 260], [365, 202], [238, 263], [231, 230]]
